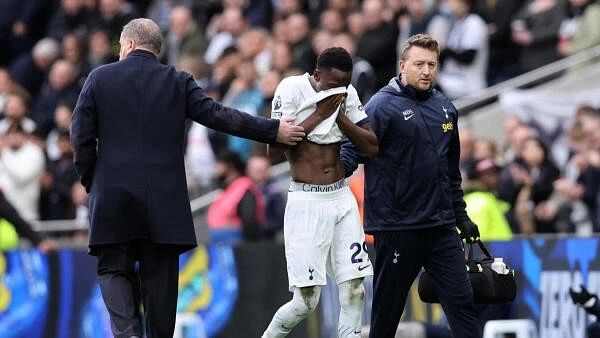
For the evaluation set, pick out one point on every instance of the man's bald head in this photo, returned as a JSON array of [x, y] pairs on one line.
[[144, 33]]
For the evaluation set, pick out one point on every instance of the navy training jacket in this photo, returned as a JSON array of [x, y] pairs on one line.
[[414, 182]]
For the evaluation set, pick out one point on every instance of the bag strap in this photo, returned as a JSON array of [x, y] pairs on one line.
[[483, 249]]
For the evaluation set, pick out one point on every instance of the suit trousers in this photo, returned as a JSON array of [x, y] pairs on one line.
[[155, 284], [399, 257]]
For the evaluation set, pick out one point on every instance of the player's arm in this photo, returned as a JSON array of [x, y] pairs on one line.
[[362, 136], [284, 106], [353, 122]]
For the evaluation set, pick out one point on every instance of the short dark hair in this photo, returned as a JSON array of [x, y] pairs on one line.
[[335, 57], [419, 40], [145, 33], [232, 159]]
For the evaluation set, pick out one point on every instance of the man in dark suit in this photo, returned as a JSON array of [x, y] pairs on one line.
[[128, 134]]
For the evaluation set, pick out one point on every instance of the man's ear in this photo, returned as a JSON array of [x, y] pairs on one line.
[[317, 74]]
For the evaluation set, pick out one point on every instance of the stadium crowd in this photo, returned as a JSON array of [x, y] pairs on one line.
[[239, 50]]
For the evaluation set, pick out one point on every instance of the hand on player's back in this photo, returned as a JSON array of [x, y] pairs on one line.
[[329, 105]]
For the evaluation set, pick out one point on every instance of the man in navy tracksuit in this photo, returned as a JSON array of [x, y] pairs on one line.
[[413, 196]]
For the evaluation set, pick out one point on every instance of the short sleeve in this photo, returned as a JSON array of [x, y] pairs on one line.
[[284, 100], [354, 108]]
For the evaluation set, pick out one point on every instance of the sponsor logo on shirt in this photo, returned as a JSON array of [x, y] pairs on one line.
[[446, 127], [277, 104], [408, 114]]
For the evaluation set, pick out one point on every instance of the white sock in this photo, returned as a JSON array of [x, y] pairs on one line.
[[352, 298], [303, 302]]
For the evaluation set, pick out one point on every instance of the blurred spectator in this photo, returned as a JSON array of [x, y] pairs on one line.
[[9, 86], [244, 94], [533, 178], [199, 154], [332, 22], [62, 124], [268, 84], [73, 51], [281, 57], [483, 207], [298, 38], [503, 60], [200, 157], [465, 57], [223, 71], [99, 49], [238, 212], [286, 8], [21, 166], [356, 24], [29, 70], [159, 11], [260, 13], [184, 37], [377, 44], [196, 67], [484, 148], [114, 14], [515, 132], [535, 28], [21, 24], [319, 41], [230, 24], [259, 170], [57, 182], [580, 29], [71, 16], [279, 31], [253, 46], [15, 114], [61, 86], [422, 16], [363, 75], [574, 200]]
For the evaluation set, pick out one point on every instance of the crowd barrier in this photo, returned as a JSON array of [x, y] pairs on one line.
[[234, 291]]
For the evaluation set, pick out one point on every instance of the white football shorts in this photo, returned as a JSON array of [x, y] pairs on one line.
[[323, 235]]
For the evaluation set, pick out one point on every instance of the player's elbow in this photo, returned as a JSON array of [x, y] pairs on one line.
[[372, 149]]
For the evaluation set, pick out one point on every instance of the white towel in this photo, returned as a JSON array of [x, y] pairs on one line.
[[327, 126]]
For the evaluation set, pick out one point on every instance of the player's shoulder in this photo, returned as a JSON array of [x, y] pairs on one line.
[[291, 86], [292, 81], [352, 93]]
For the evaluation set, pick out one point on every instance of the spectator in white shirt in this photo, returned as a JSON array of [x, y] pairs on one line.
[[465, 58]]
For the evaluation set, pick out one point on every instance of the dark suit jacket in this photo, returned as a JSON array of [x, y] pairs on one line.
[[128, 135]]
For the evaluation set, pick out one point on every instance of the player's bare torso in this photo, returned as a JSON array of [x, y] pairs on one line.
[[316, 163]]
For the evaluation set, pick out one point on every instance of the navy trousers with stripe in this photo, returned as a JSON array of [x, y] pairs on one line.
[[400, 255]]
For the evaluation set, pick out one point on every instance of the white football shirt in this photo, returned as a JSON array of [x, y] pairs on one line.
[[295, 96]]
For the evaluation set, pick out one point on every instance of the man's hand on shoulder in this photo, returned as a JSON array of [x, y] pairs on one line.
[[289, 133]]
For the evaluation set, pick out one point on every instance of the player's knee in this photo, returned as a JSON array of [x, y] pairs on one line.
[[352, 292], [310, 298]]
